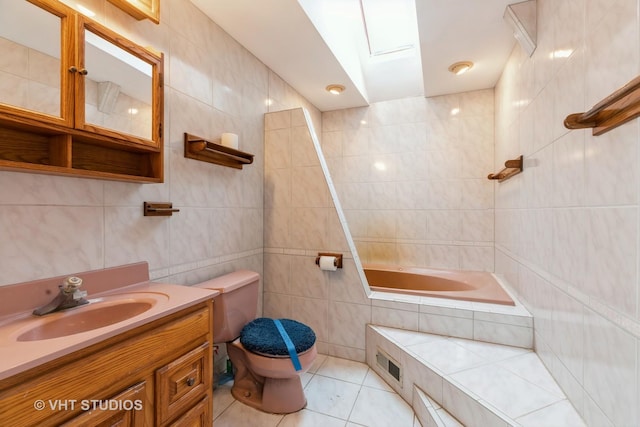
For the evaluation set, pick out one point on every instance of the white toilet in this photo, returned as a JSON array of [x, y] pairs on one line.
[[265, 376]]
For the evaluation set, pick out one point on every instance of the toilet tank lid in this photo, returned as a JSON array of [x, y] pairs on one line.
[[231, 281]]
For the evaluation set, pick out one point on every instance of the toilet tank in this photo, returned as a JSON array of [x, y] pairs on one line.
[[236, 305]]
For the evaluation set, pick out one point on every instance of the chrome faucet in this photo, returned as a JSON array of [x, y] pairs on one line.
[[70, 296]]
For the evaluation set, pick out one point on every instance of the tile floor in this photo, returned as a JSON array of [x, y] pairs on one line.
[[339, 393]]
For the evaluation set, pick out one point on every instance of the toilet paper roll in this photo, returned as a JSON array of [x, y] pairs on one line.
[[229, 140], [328, 263]]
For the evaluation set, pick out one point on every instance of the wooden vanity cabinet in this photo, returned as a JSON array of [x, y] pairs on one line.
[[130, 411], [159, 374], [76, 98]]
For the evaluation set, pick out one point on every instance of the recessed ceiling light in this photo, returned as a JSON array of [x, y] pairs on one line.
[[460, 67], [335, 89]]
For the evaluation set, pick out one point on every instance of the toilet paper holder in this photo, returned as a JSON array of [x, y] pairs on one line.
[[337, 262]]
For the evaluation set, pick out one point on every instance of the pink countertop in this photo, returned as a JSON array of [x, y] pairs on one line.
[[18, 356]]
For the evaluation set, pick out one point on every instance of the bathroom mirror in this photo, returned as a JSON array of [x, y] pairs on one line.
[[30, 51], [118, 88]]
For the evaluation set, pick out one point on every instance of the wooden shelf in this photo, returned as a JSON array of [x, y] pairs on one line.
[[618, 108], [511, 168], [72, 152], [200, 149]]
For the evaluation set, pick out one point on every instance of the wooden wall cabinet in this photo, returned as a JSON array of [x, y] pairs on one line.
[[160, 373], [76, 98], [140, 9]]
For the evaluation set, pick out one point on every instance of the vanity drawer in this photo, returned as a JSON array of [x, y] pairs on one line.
[[129, 408], [182, 383]]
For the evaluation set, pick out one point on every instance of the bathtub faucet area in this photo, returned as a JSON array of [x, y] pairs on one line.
[[69, 296]]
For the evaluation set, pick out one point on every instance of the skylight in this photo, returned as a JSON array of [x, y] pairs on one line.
[[390, 25]]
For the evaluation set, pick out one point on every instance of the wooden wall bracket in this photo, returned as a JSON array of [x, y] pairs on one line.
[[618, 108], [200, 149], [511, 168], [158, 209]]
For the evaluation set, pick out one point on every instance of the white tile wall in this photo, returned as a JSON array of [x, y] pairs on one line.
[[298, 210], [300, 221], [567, 228], [412, 179]]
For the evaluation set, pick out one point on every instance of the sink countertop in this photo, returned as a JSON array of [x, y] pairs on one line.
[[19, 356]]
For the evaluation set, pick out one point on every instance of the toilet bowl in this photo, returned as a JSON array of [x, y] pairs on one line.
[[266, 374]]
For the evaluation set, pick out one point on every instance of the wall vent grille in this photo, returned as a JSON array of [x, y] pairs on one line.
[[389, 365]]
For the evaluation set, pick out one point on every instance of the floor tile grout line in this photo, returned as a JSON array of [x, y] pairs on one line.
[[348, 420]]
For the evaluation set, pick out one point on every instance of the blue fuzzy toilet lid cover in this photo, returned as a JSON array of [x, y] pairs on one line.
[[262, 336]]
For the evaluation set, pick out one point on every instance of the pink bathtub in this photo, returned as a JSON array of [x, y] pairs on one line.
[[430, 282]]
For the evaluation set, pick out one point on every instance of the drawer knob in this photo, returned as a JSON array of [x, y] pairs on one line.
[[190, 381]]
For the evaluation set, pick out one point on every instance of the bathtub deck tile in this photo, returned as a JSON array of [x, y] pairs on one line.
[[515, 310], [495, 323], [388, 296], [446, 325], [406, 338], [395, 318], [445, 302], [396, 305], [516, 336], [447, 311], [508, 319]]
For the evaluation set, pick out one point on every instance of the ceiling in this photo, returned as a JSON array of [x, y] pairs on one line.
[[311, 44]]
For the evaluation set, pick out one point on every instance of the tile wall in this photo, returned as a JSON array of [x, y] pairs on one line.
[[52, 225], [567, 228], [300, 221], [430, 218], [411, 177]]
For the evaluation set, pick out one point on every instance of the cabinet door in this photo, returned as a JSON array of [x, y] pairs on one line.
[[118, 86], [141, 9], [35, 57], [198, 416], [127, 409]]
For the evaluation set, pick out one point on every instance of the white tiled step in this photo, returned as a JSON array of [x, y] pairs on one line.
[[429, 413], [480, 384]]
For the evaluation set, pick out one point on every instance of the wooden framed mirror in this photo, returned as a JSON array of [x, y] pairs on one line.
[[140, 9]]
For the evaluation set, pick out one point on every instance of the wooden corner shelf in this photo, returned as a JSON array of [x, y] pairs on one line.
[[511, 168], [200, 149], [618, 108]]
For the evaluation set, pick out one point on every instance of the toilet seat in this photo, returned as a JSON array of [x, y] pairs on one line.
[[261, 336]]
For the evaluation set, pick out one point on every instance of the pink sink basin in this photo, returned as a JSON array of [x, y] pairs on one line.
[[87, 318]]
